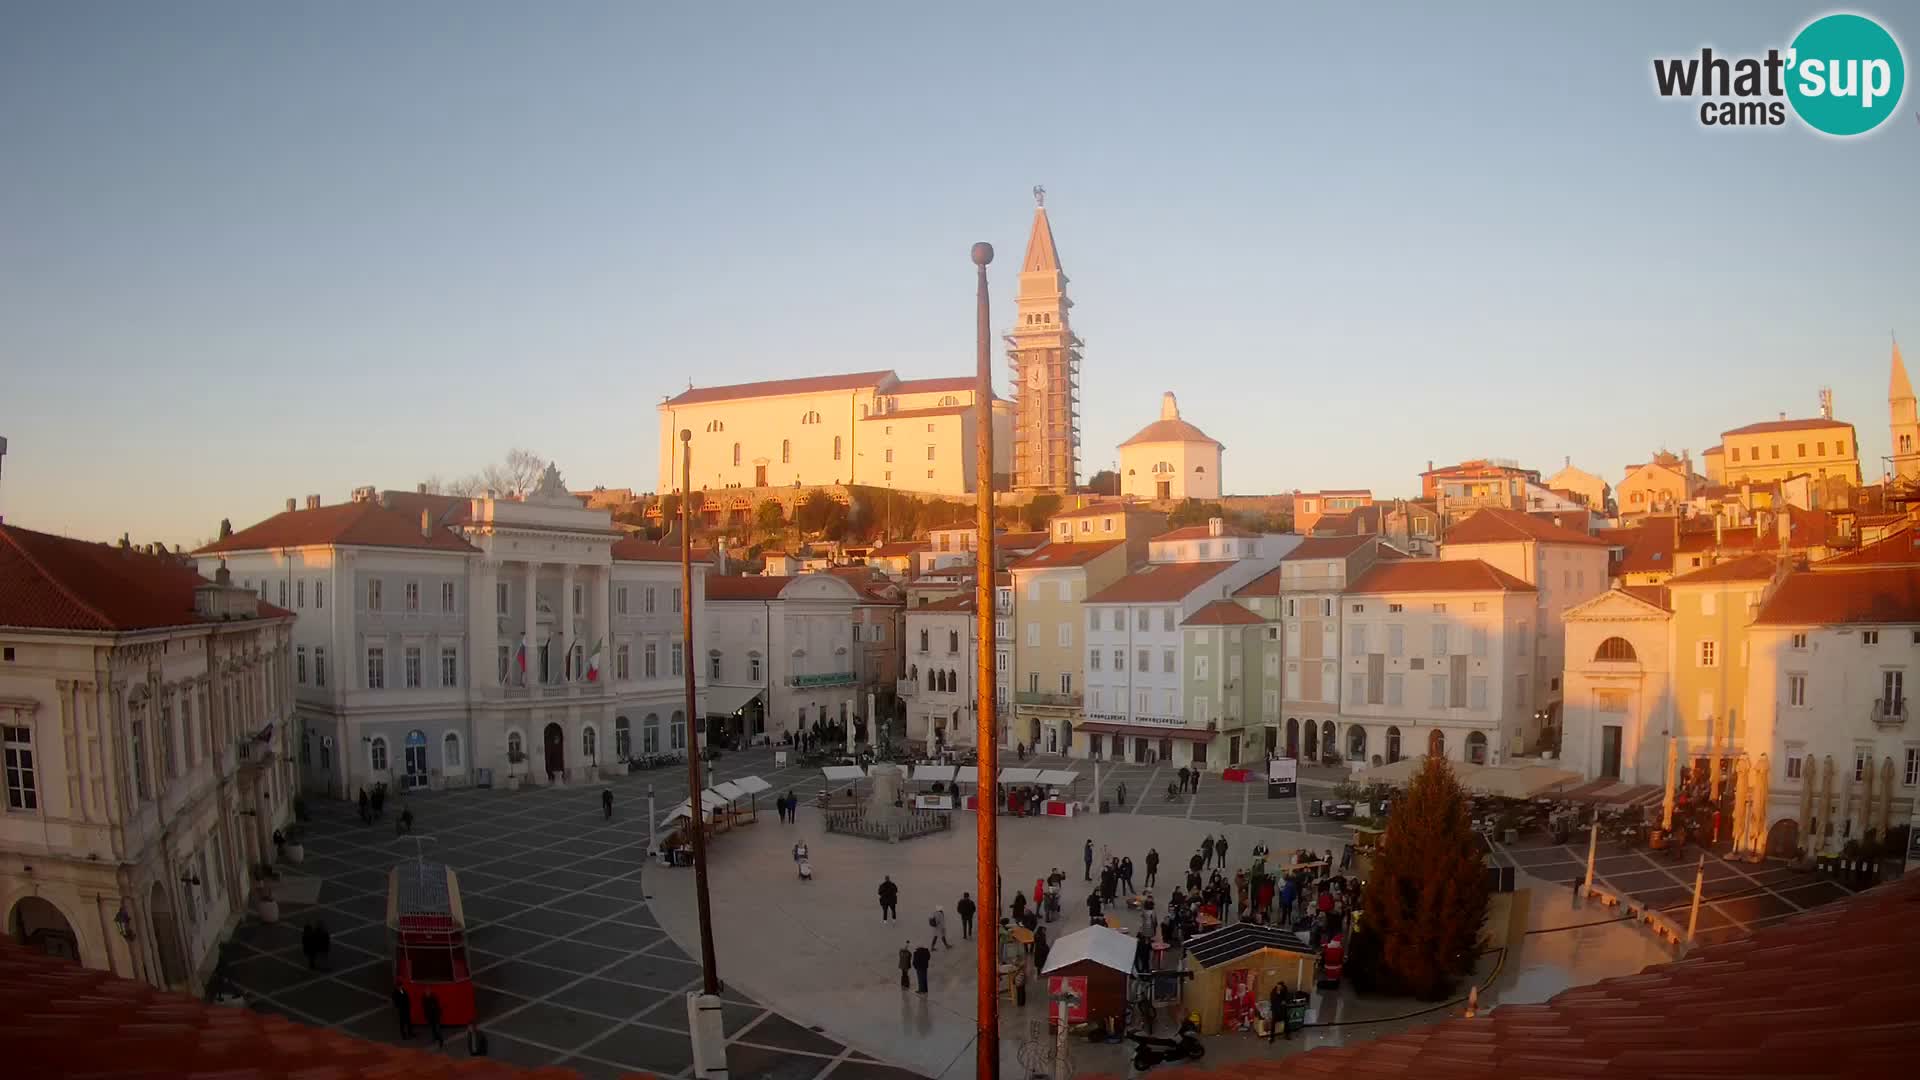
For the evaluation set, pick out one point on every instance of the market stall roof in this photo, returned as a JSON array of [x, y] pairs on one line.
[[1239, 940], [752, 785], [1518, 781], [1019, 776], [967, 774], [1103, 945], [928, 774], [727, 700], [1058, 777], [685, 811], [728, 790], [840, 774], [710, 801]]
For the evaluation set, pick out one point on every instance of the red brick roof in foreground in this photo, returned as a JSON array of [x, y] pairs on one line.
[[1829, 993], [351, 524], [1159, 583], [1867, 595], [1494, 525], [1052, 556], [1900, 548], [52, 582], [1436, 575], [1222, 613], [60, 1019]]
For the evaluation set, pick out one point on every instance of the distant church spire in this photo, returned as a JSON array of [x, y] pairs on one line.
[[1903, 422], [1045, 357], [1042, 256]]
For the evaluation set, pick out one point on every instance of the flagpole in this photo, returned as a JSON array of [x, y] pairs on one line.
[[986, 854]]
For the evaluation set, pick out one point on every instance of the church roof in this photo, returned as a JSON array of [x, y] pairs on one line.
[[1898, 388], [1042, 256], [1170, 428], [858, 380]]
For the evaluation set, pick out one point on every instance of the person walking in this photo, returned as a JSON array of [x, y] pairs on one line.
[[606, 802], [889, 900], [938, 922], [1041, 947], [922, 959], [1126, 873], [906, 965], [1094, 917], [1206, 852], [403, 1009], [1196, 780], [1086, 856], [405, 822], [1277, 1005], [1120, 795], [1153, 865], [1220, 849], [430, 1005], [965, 909], [1186, 776], [366, 808], [1194, 866]]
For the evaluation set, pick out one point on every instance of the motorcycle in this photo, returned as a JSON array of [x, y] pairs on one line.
[[1150, 1051]]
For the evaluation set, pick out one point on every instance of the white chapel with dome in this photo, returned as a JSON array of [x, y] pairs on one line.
[[1170, 459]]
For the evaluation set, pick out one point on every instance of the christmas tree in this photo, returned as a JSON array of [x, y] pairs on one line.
[[1426, 895]]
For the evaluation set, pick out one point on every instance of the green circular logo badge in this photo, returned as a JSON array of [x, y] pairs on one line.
[[1845, 74]]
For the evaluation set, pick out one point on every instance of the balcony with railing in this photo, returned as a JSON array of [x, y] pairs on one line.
[[1890, 713], [906, 688], [1042, 697]]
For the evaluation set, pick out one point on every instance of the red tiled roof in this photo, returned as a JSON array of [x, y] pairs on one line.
[[52, 582], [1326, 547], [1166, 431], [1495, 525], [1578, 521], [1201, 532], [1436, 575], [1050, 556], [960, 602], [1899, 548], [1712, 451], [1657, 595], [1159, 583], [1222, 613], [636, 550], [1746, 568], [1873, 594], [1019, 541], [1830, 992], [872, 585], [351, 524], [1787, 425], [1337, 523], [899, 549], [721, 587], [908, 414], [1267, 584], [66, 1020], [820, 384]]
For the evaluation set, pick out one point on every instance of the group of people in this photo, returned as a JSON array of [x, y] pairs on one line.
[[372, 807], [788, 805]]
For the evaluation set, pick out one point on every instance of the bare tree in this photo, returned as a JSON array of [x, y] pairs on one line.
[[517, 475]]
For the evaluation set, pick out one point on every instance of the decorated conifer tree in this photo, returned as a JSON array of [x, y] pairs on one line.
[[1426, 894]]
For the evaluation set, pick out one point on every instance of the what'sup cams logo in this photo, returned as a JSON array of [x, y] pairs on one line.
[[1842, 75]]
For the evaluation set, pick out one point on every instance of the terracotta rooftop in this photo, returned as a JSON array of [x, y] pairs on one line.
[[1175, 430], [1222, 613], [1579, 521], [961, 602], [62, 1019], [1787, 425], [349, 524], [1267, 584], [820, 384], [636, 550], [1158, 583], [1746, 568], [727, 587], [1326, 547], [1712, 451], [52, 582], [1051, 556], [1828, 993], [1900, 548], [1201, 532], [1657, 595], [1494, 525], [1864, 595], [1436, 575], [1019, 541], [1337, 523]]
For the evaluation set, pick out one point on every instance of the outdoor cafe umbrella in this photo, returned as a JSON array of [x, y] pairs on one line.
[[1886, 796], [1713, 766], [1866, 798], [1757, 781], [1807, 779], [1741, 793], [1673, 765]]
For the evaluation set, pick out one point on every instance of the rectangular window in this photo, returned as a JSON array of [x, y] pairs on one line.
[[1395, 690], [1290, 607], [1708, 656], [889, 455], [1869, 637], [1143, 661], [1167, 665], [1356, 687], [1166, 620], [1478, 693], [1799, 641], [1356, 640], [1093, 660], [300, 664], [673, 600], [674, 662], [319, 665], [1376, 678], [500, 597], [373, 594], [1066, 682], [1396, 641], [620, 600], [649, 599], [449, 666], [1438, 698], [412, 594], [1033, 635], [1735, 451], [1200, 666], [411, 658], [300, 593], [283, 594], [1066, 592], [623, 662], [1439, 640], [1861, 757], [579, 605], [1796, 757], [650, 661], [1457, 682], [1395, 608], [505, 653], [1140, 619], [23, 792], [446, 596], [1439, 609], [1893, 691], [1359, 609], [1797, 691], [1326, 608], [1064, 635], [1911, 775], [713, 668], [376, 668]]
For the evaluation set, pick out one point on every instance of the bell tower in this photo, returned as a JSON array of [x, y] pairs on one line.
[[1905, 426], [1045, 357]]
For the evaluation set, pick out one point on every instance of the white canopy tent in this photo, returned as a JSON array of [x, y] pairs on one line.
[[710, 804], [933, 774], [752, 785], [967, 774], [1019, 776], [842, 774], [1103, 945], [1059, 777]]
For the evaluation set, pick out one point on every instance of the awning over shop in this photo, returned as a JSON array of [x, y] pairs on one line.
[[967, 774], [727, 700], [1149, 731]]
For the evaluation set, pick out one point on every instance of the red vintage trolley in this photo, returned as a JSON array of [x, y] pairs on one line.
[[430, 940]]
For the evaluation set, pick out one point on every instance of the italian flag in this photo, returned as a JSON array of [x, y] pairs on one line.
[[593, 662]]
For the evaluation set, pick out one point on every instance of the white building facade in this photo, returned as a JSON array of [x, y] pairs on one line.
[[789, 643], [940, 686], [1619, 686], [1170, 460]]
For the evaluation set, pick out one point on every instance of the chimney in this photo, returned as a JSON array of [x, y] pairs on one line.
[[1213, 526], [313, 502], [420, 489], [1783, 414], [290, 505], [223, 576]]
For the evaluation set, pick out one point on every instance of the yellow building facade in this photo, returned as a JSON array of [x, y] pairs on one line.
[[1820, 447]]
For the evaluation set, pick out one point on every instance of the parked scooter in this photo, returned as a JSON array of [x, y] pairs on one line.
[[1149, 1051]]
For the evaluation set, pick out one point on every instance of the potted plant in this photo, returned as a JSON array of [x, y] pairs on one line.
[[514, 757], [265, 907]]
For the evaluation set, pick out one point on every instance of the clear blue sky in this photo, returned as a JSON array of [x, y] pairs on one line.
[[252, 251]]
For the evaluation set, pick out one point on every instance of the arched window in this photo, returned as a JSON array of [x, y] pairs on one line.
[[589, 743], [1328, 745], [1356, 743], [377, 754], [1477, 748], [913, 672], [677, 730], [836, 448], [923, 639], [1393, 745], [1199, 468], [450, 756], [515, 748], [953, 681], [715, 425], [736, 453], [786, 451], [1615, 648], [810, 417], [622, 737], [949, 401], [933, 679], [1437, 744], [650, 734], [953, 641]]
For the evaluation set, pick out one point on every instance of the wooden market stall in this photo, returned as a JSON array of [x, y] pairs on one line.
[[1235, 966], [1096, 964]]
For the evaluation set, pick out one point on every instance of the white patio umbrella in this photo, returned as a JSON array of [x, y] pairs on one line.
[[1673, 767]]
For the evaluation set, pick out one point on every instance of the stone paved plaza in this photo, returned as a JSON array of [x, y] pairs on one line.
[[577, 964]]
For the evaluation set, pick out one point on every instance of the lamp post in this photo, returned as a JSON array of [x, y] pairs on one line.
[[703, 1009], [986, 854]]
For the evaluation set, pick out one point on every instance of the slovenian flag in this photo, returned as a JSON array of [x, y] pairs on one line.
[[521, 656], [593, 662]]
